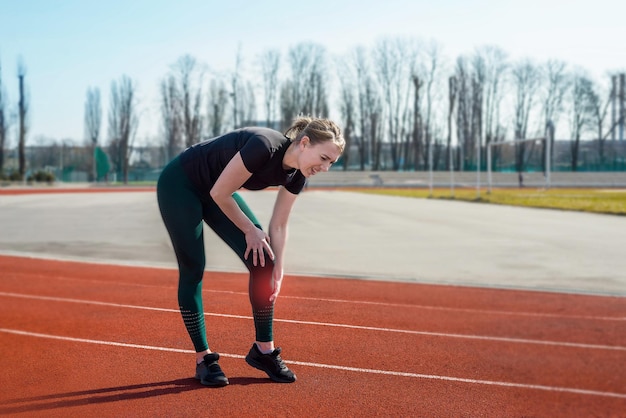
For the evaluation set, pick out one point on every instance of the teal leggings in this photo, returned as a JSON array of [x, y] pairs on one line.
[[183, 208]]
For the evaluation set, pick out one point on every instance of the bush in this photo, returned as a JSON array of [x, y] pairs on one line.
[[15, 176], [41, 176]]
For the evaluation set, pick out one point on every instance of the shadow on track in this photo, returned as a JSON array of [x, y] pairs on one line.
[[113, 394]]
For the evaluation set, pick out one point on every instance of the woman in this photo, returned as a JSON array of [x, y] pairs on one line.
[[201, 184]]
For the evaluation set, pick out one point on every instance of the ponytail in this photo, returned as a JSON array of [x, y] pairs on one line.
[[298, 126], [317, 129]]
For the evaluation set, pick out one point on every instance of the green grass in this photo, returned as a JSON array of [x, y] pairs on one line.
[[607, 201]]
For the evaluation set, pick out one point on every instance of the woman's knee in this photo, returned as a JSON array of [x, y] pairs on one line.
[[191, 270], [261, 284]]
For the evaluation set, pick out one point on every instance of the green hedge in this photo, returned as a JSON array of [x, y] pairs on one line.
[[41, 176]]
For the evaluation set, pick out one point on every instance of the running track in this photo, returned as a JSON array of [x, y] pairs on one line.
[[79, 339]]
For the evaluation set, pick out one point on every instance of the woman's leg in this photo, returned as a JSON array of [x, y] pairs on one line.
[[262, 355], [181, 210], [260, 285]]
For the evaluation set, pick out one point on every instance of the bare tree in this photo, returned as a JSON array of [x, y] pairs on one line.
[[236, 90], [288, 105], [417, 121], [347, 107], [464, 112], [599, 112], [217, 106], [393, 58], [618, 107], [270, 64], [557, 83], [477, 85], [368, 104], [247, 109], [319, 100], [172, 114], [376, 129], [622, 107], [4, 123], [480, 97], [495, 62], [452, 93], [123, 122], [190, 90], [479, 77], [424, 76], [242, 94], [305, 91], [93, 119], [526, 80], [23, 111], [581, 114]]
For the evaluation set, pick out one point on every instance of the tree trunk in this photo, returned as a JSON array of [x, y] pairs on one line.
[[22, 133], [416, 123], [451, 100], [575, 151]]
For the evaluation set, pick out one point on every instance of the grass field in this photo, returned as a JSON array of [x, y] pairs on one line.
[[607, 201]]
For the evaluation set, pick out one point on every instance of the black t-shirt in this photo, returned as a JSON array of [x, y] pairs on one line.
[[262, 151]]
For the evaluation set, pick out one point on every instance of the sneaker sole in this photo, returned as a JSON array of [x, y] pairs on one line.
[[210, 383], [271, 375]]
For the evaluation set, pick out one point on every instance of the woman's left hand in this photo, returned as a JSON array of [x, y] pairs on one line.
[[277, 275]]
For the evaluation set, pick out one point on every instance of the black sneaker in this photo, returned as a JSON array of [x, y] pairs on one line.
[[209, 372], [271, 364]]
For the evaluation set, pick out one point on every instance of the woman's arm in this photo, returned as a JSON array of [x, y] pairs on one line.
[[232, 178], [278, 231]]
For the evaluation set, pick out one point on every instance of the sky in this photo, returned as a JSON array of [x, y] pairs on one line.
[[68, 46]]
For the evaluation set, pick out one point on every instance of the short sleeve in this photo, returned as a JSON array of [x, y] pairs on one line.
[[296, 185], [255, 153]]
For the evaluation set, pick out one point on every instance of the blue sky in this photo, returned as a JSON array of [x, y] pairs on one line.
[[68, 46]]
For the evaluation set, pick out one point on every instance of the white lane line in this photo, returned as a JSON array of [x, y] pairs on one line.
[[328, 324], [334, 367], [467, 310], [363, 302], [172, 266]]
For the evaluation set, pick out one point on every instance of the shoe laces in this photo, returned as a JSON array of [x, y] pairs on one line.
[[214, 367], [278, 361]]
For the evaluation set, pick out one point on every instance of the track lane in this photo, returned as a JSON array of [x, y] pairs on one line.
[[330, 391], [151, 390], [427, 354]]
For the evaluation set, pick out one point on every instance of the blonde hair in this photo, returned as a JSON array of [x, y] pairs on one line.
[[318, 130]]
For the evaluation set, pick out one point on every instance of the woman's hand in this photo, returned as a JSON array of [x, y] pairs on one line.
[[277, 275], [258, 243]]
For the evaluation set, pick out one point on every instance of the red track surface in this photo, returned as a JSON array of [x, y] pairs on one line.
[[80, 339]]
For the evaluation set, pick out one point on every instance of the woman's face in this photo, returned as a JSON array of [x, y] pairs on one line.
[[316, 158]]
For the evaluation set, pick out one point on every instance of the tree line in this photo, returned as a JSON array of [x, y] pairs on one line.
[[401, 104]]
